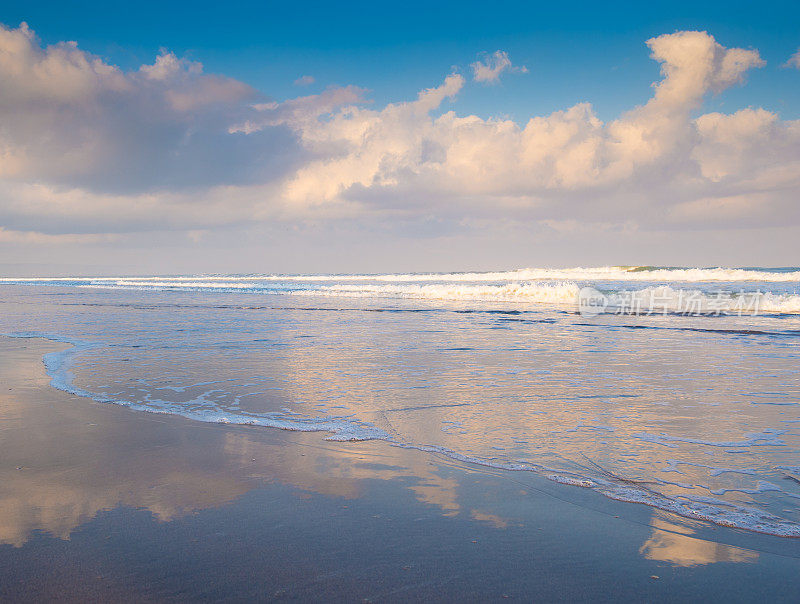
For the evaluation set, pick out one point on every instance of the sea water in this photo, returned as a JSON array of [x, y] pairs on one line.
[[681, 392]]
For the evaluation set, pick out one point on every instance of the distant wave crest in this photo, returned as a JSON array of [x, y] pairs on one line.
[[601, 273]]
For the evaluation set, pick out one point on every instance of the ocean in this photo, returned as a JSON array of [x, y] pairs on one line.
[[673, 387]]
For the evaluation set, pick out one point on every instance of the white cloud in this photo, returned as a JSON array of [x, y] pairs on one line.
[[559, 165], [87, 149], [167, 65], [298, 112], [794, 60], [71, 119], [489, 68]]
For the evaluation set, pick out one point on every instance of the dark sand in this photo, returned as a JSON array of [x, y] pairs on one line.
[[100, 503]]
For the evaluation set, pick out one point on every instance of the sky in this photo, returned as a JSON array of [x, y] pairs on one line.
[[324, 137]]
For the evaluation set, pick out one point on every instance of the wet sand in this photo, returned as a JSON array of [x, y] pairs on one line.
[[101, 503]]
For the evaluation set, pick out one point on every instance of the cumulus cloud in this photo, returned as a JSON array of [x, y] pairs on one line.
[[87, 148], [298, 113], [654, 156], [70, 119], [489, 68]]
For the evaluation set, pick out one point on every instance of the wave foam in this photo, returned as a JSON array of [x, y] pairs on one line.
[[600, 273], [58, 367], [647, 300], [668, 299], [560, 292]]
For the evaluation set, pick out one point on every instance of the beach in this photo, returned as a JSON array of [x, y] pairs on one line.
[[381, 302], [677, 389], [102, 503]]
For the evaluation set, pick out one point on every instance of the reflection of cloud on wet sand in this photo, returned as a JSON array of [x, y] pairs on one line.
[[52, 502], [64, 459], [671, 543], [491, 519], [455, 391], [339, 470]]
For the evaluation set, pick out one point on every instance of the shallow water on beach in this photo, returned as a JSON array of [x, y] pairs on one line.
[[106, 504], [693, 414]]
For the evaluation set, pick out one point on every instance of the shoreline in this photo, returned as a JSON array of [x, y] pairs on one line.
[[57, 365], [80, 475]]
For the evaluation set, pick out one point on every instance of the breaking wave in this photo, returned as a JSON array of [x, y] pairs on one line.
[[620, 297], [602, 273], [558, 292], [668, 299], [647, 300]]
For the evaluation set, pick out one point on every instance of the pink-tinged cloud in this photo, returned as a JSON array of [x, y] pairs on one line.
[[489, 68], [88, 148]]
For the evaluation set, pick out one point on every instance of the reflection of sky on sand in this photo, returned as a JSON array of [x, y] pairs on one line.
[[340, 470], [65, 459], [688, 417], [671, 543], [61, 463]]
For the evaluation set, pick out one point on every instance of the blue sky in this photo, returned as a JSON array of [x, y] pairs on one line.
[[577, 51], [174, 137]]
